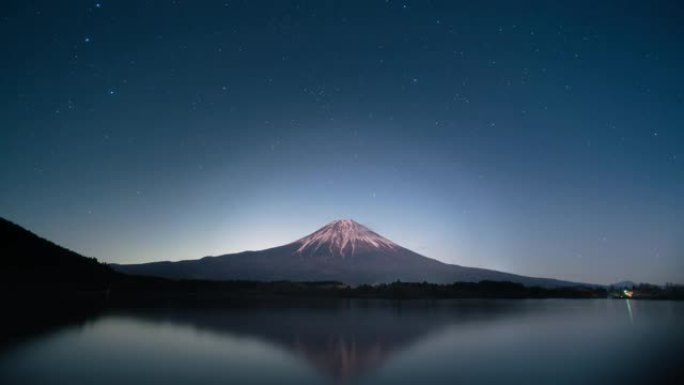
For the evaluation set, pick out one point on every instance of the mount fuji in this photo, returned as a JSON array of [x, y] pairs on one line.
[[343, 251]]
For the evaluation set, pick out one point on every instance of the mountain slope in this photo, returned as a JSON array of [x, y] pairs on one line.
[[343, 250], [27, 259]]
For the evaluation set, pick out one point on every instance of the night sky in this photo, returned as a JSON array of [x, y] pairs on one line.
[[537, 138]]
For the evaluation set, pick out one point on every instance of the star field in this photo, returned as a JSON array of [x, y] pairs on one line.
[[540, 138]]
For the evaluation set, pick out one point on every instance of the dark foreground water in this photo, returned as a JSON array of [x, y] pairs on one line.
[[364, 342]]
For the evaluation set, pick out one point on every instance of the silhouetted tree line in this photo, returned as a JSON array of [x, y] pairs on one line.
[[149, 290], [649, 291], [482, 289]]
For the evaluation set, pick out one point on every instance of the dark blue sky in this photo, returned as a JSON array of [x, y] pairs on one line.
[[534, 137]]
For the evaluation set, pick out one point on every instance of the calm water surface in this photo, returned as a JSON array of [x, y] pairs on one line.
[[364, 342]]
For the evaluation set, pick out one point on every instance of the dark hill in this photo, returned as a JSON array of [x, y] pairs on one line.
[[27, 260]]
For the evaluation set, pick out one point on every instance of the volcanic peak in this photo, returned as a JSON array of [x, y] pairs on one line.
[[343, 237]]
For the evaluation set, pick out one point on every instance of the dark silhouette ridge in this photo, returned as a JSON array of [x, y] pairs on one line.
[[44, 285], [29, 260], [36, 271]]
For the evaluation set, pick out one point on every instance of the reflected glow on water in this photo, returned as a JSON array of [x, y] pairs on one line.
[[364, 342]]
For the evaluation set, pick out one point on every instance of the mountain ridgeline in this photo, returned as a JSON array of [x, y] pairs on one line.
[[343, 251], [28, 260], [338, 262]]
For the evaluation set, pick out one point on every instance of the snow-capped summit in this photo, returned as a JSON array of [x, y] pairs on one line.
[[342, 237]]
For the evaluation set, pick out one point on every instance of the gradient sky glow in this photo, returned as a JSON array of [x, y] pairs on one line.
[[536, 137]]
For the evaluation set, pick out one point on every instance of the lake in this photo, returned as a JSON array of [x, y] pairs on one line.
[[363, 342]]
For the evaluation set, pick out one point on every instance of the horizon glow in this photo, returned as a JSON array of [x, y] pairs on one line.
[[537, 140]]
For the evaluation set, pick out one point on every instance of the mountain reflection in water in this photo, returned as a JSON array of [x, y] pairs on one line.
[[363, 342], [345, 339]]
